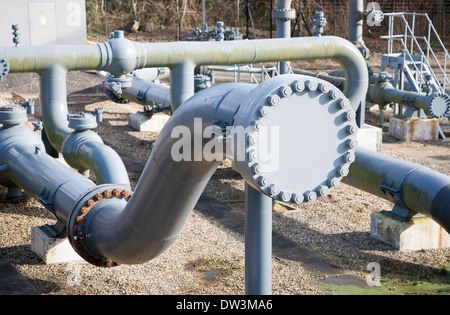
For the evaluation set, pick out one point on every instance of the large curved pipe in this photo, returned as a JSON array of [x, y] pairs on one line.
[[408, 185]]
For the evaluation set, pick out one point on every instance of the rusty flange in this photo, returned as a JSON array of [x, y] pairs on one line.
[[78, 227]]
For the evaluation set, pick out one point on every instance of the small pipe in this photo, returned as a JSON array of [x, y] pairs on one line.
[[283, 15], [435, 105], [356, 26]]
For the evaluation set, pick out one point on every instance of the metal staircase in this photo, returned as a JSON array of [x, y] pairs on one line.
[[417, 67]]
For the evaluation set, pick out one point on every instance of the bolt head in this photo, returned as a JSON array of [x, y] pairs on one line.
[[311, 85], [298, 86], [273, 100]]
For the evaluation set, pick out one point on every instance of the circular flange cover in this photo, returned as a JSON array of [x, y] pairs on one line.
[[301, 138]]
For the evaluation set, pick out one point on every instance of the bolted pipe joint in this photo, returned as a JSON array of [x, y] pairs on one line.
[[104, 197]]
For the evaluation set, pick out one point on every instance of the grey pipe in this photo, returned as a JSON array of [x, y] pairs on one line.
[[146, 93], [408, 185], [81, 150], [435, 105], [120, 56], [55, 185], [356, 26], [135, 236], [268, 50], [283, 15]]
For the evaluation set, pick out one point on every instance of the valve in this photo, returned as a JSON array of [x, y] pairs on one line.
[[16, 34], [373, 15], [320, 23]]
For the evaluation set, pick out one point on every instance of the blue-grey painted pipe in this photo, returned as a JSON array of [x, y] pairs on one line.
[[182, 85], [267, 50], [55, 185], [81, 150], [145, 92], [408, 185], [120, 56], [134, 235], [283, 15], [258, 242]]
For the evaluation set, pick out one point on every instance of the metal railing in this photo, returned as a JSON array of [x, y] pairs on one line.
[[410, 42]]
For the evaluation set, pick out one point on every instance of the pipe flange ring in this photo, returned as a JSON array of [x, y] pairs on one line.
[[303, 146], [78, 233], [438, 105]]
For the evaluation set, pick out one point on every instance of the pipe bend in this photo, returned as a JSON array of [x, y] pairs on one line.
[[86, 151]]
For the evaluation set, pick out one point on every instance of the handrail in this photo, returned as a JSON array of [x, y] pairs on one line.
[[409, 34]]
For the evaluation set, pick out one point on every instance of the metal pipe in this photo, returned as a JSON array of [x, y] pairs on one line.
[[408, 185], [356, 26], [145, 93], [136, 230], [134, 235], [120, 56], [283, 15], [258, 242], [182, 85], [269, 50], [435, 105], [55, 185], [81, 150]]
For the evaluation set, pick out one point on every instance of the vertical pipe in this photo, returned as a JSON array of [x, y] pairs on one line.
[[54, 105], [182, 83], [258, 242], [283, 28]]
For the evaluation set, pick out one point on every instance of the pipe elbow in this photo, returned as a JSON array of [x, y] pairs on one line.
[[86, 151]]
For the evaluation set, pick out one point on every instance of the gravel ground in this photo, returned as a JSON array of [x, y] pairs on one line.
[[208, 257]]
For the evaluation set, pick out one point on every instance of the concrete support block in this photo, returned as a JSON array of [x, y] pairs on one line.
[[415, 129], [52, 250], [370, 138], [142, 122], [408, 235]]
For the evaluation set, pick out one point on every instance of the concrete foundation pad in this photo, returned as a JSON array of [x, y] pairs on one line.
[[409, 235], [52, 250], [142, 122], [370, 138], [414, 129]]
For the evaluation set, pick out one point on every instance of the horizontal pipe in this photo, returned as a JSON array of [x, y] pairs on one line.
[[408, 185], [121, 56], [268, 50], [146, 93], [435, 105]]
